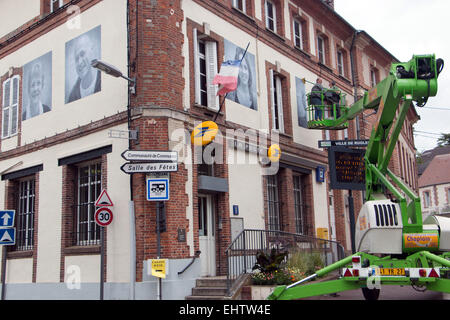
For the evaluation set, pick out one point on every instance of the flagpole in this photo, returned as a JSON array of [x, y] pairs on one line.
[[225, 96]]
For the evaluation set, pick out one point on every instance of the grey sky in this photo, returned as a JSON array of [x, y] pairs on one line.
[[404, 28]]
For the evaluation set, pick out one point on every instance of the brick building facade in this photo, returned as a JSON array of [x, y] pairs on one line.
[[55, 163]]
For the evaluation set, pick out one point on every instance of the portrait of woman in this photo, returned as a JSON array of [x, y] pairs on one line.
[[245, 93], [37, 87]]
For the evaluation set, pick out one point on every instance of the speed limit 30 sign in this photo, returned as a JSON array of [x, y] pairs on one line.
[[103, 216]]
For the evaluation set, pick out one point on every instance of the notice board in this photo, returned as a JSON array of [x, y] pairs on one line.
[[347, 169]]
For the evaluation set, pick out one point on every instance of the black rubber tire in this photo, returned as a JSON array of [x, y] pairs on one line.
[[371, 294]]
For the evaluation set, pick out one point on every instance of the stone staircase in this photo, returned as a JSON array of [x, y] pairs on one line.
[[210, 288]]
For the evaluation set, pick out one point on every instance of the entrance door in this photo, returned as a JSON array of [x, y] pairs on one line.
[[206, 233]]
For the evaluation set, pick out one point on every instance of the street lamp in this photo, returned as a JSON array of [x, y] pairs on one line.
[[113, 71]]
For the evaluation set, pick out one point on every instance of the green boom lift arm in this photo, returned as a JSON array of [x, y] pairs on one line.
[[415, 80]]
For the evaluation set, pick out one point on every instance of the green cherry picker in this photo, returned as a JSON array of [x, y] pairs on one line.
[[393, 245]]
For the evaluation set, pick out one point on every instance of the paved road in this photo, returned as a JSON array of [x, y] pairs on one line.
[[387, 293]]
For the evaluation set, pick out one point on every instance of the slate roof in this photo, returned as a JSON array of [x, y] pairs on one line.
[[428, 155], [437, 172]]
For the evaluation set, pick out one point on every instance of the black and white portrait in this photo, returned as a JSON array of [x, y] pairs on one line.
[[81, 78], [245, 94], [301, 102], [37, 86]]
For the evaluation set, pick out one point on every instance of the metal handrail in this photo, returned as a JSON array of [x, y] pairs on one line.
[[241, 253]]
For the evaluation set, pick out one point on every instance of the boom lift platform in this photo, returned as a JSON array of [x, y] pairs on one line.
[[394, 246]]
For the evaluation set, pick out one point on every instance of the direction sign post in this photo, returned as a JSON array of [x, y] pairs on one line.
[[157, 156], [131, 168], [153, 162]]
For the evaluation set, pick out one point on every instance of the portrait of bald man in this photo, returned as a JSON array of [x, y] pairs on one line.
[[81, 78]]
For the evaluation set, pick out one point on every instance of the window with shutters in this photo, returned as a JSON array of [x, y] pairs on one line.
[[276, 91], [205, 68], [10, 107]]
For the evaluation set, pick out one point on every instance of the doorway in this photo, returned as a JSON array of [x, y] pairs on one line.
[[207, 235]]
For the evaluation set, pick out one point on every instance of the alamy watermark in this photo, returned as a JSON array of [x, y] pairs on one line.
[[73, 277], [235, 147]]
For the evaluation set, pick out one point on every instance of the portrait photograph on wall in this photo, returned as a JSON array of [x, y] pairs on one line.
[[245, 94], [81, 78], [37, 86], [301, 102]]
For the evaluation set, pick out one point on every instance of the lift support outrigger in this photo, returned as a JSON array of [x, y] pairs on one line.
[[394, 246]]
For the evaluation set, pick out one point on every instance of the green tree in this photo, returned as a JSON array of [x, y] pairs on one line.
[[444, 140]]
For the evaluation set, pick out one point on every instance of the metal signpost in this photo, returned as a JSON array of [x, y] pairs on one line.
[[347, 171], [103, 217], [7, 238], [159, 164]]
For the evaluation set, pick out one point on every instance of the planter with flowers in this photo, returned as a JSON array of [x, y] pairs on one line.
[[281, 268]]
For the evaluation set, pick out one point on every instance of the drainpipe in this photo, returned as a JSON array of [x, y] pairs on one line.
[[355, 87], [131, 202], [355, 92]]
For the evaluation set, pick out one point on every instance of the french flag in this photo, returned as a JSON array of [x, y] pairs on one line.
[[227, 78]]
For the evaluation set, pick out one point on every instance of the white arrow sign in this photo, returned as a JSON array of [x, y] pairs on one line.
[[159, 156], [7, 218], [149, 167]]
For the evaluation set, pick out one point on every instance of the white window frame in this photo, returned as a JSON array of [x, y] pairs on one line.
[[426, 199], [238, 3], [298, 33], [340, 62], [276, 101], [52, 2], [273, 17], [321, 49], [10, 108], [373, 77], [210, 58]]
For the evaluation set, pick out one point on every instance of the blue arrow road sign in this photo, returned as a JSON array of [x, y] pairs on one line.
[[7, 218], [7, 236]]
